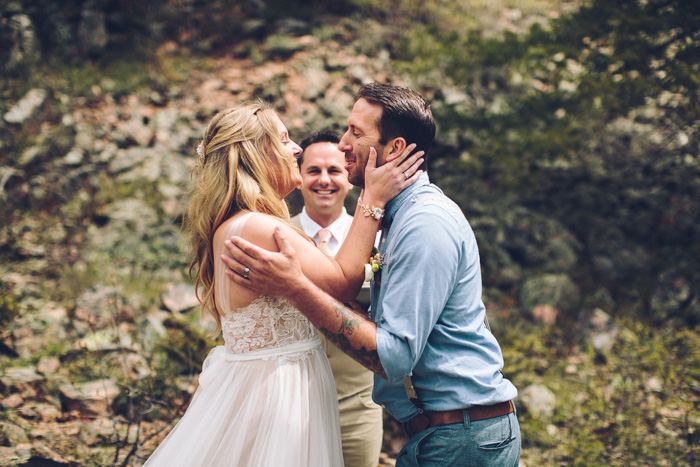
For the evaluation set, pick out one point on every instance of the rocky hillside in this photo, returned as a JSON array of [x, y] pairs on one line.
[[100, 340]]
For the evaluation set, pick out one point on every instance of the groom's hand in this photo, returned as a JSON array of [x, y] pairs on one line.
[[276, 274]]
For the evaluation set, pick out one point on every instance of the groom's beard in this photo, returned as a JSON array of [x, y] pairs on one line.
[[357, 176]]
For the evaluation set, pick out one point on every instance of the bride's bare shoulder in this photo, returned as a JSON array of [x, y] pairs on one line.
[[253, 226]]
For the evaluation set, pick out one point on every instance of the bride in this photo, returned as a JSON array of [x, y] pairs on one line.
[[266, 397]]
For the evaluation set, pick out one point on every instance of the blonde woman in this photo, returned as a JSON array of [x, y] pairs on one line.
[[266, 397]]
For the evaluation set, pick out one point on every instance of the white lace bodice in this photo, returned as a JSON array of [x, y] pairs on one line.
[[266, 322]]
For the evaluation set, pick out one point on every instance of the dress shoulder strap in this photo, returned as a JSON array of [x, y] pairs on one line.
[[235, 227]]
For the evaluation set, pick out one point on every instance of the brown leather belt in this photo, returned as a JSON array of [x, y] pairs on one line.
[[430, 419]]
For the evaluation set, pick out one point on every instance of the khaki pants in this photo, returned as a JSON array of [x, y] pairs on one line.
[[361, 427]]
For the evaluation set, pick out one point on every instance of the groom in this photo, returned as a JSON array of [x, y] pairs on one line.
[[437, 365]]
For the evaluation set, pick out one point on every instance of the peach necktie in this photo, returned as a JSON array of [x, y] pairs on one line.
[[324, 236]]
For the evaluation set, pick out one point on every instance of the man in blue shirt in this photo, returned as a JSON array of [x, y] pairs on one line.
[[426, 338]]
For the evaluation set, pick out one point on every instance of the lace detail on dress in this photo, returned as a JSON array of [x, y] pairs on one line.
[[264, 323]]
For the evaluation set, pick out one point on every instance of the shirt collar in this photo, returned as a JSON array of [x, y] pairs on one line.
[[393, 206], [311, 227]]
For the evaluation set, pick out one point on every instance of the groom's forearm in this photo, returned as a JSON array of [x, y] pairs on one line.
[[351, 332]]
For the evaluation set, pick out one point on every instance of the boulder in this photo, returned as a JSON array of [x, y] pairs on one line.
[[20, 379], [27, 106], [178, 298], [555, 290], [11, 434], [92, 30], [538, 400], [20, 35], [91, 398]]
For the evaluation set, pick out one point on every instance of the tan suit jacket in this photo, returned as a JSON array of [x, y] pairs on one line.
[[350, 377]]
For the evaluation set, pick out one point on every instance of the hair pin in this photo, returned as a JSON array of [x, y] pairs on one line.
[[200, 152]]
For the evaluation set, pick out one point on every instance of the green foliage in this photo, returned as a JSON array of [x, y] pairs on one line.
[[646, 387], [581, 121], [9, 308], [183, 348]]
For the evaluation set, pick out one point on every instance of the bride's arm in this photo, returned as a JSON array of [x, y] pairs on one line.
[[382, 184], [343, 275]]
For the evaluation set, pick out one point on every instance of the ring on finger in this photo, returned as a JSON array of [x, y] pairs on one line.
[[405, 175], [245, 273]]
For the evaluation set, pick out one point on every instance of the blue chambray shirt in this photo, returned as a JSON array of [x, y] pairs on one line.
[[427, 304]]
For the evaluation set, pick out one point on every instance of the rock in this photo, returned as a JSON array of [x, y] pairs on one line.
[[603, 330], [102, 306], [179, 297], [538, 400], [11, 434], [31, 333], [545, 314], [316, 78], [600, 321], [127, 159], [105, 339], [30, 155], [173, 131], [74, 157], [85, 136], [12, 402], [281, 46], [132, 364], [27, 106], [131, 221], [95, 432], [42, 411], [535, 240], [135, 131], [513, 238], [92, 30], [19, 379], [108, 153], [5, 174], [23, 45], [44, 456], [654, 384], [671, 295], [556, 290], [91, 398]]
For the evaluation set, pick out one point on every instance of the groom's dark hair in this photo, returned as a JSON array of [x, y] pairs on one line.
[[405, 113]]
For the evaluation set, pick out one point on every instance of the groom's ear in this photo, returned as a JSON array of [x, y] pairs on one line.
[[394, 148]]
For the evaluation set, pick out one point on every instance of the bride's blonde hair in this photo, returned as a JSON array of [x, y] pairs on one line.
[[242, 163]]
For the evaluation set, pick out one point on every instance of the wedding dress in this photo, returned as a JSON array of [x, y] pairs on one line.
[[265, 398]]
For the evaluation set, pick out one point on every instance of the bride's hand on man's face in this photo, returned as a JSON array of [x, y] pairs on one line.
[[387, 181]]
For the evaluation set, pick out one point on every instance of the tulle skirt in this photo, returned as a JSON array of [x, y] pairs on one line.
[[271, 407]]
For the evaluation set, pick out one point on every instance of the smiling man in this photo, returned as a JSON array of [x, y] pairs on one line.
[[324, 218], [324, 188]]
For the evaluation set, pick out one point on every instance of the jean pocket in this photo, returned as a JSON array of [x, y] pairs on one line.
[[499, 435], [496, 445]]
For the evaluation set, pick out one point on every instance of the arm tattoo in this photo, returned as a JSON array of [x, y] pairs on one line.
[[348, 319], [349, 322], [367, 358]]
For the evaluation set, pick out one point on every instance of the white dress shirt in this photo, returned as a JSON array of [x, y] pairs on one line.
[[339, 228]]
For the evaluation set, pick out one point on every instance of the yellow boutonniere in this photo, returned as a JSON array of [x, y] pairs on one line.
[[376, 261]]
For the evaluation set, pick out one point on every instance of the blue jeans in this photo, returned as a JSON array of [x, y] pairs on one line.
[[491, 442]]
